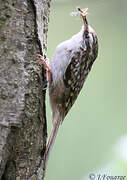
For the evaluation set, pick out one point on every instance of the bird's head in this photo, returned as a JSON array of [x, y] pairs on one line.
[[88, 30]]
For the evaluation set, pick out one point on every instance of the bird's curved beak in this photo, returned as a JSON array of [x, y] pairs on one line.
[[83, 13]]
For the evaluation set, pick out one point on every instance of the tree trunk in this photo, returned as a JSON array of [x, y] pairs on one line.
[[23, 131]]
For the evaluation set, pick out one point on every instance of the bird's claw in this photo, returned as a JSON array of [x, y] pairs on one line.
[[45, 62]]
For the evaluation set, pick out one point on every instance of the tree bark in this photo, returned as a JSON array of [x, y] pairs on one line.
[[23, 131]]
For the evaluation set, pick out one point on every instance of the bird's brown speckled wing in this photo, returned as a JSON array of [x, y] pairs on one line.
[[74, 78], [76, 73]]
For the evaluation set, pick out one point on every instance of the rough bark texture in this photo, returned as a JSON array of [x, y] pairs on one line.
[[23, 33]]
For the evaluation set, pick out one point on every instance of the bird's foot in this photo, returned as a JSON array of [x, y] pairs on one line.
[[45, 62]]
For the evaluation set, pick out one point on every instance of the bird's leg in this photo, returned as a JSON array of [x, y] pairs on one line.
[[45, 62]]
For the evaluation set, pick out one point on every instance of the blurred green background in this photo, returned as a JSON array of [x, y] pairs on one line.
[[99, 116]]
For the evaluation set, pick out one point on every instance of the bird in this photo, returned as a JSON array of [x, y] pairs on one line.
[[69, 68]]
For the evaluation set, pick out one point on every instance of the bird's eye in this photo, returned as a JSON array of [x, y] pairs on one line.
[[86, 35]]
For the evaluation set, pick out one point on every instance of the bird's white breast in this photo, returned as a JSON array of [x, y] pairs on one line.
[[63, 54]]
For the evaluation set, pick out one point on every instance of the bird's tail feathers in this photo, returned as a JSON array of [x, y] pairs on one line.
[[56, 122]]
